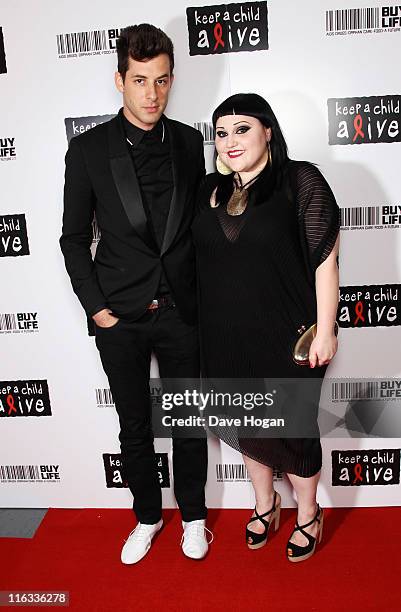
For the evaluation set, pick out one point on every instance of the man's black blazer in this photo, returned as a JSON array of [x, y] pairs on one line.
[[100, 179]]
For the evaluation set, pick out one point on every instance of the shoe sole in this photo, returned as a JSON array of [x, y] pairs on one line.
[[301, 558], [143, 556], [256, 546], [318, 540], [194, 558], [276, 519]]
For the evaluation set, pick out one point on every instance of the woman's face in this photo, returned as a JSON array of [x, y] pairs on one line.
[[241, 142]]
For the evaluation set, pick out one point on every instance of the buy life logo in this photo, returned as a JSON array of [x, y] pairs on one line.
[[49, 472]]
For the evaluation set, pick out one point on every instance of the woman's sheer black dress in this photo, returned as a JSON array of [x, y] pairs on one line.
[[256, 279]]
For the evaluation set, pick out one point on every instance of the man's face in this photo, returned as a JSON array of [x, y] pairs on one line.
[[145, 90]]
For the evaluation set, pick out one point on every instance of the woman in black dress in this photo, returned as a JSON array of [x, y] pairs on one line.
[[266, 238]]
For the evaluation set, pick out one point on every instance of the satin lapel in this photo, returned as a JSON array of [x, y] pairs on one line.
[[126, 181], [179, 162]]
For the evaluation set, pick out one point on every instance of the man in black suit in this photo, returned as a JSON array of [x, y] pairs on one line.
[[139, 174]]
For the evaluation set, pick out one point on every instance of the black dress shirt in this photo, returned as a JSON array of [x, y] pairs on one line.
[[150, 151]]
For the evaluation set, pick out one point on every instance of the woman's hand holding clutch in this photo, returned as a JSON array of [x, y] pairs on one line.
[[323, 349]]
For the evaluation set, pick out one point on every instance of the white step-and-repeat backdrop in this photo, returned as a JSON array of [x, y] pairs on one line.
[[331, 74]]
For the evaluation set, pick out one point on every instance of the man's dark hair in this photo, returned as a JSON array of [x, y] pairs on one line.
[[142, 42]]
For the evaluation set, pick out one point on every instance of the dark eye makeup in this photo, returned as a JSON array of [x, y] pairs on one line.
[[241, 129]]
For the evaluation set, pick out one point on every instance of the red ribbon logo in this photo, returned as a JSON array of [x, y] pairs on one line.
[[358, 473], [358, 312], [217, 32], [358, 128], [10, 402]]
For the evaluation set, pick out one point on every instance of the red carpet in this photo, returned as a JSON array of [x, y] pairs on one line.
[[356, 567]]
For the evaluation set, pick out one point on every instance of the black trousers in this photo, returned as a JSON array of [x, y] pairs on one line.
[[125, 351]]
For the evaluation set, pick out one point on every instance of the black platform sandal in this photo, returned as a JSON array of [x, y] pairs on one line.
[[257, 540], [297, 553]]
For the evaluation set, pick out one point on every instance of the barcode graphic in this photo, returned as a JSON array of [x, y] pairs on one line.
[[360, 215], [95, 231], [206, 129], [231, 471], [8, 322], [19, 472], [104, 397], [344, 391], [238, 471], [82, 42], [345, 20]]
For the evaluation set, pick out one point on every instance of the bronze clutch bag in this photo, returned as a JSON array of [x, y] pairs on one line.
[[300, 353]]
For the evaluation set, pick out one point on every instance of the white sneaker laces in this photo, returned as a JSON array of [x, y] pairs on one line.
[[196, 530], [140, 533]]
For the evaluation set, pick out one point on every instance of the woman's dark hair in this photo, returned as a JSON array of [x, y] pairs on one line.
[[253, 105], [141, 42]]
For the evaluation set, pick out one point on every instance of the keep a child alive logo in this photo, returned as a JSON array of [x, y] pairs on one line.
[[24, 398], [365, 467], [114, 471], [78, 125], [369, 306], [366, 120], [227, 28], [13, 236]]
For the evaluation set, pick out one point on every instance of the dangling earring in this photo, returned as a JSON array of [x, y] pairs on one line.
[[221, 166], [269, 154]]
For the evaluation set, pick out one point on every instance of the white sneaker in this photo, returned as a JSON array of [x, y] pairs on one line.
[[193, 542], [139, 542]]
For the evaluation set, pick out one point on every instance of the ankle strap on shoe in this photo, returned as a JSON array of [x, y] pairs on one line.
[[315, 518], [260, 516]]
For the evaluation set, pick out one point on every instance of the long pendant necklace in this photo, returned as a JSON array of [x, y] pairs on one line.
[[239, 198]]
